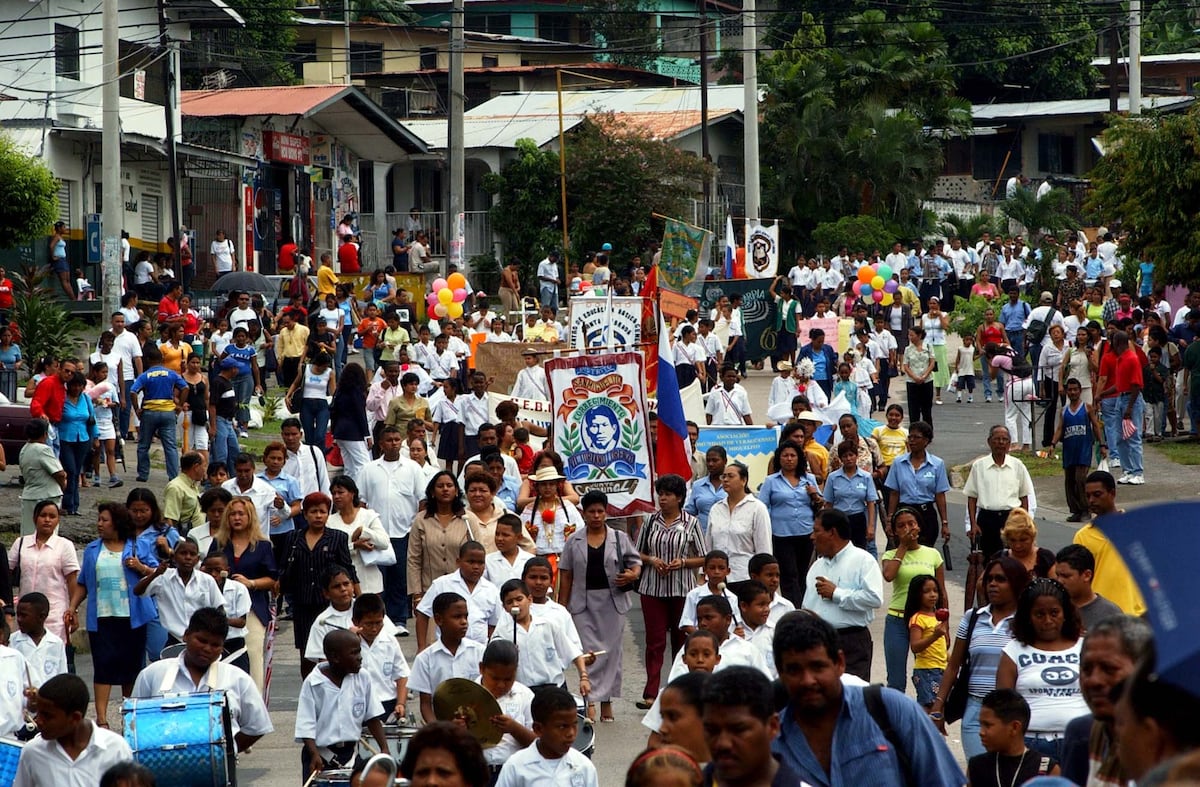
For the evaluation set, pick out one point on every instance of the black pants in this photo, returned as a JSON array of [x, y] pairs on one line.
[[1050, 391], [883, 367], [794, 554], [857, 647], [343, 753], [920, 402], [858, 529], [289, 367], [990, 524]]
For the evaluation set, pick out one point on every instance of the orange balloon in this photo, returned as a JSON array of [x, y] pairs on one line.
[[456, 280], [865, 274]]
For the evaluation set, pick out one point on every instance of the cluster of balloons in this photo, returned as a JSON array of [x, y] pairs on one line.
[[448, 296], [875, 283]]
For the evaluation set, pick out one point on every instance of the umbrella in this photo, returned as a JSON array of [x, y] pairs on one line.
[[244, 280], [949, 563], [1156, 542], [974, 568]]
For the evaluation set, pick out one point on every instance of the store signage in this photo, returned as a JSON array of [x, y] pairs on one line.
[[286, 148]]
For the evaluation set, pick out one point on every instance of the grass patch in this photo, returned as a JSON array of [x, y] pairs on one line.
[[1041, 468], [1181, 453]]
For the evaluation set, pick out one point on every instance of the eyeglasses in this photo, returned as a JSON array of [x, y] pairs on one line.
[[995, 578]]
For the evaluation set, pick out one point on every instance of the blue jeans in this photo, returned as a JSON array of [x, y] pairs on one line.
[[243, 386], [73, 456], [156, 640], [895, 651], [225, 446], [395, 584], [1017, 340], [314, 421], [125, 408], [968, 730], [163, 425], [1110, 411], [549, 297], [1130, 450]]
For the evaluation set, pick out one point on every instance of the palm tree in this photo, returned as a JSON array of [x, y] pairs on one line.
[[969, 228], [1038, 216]]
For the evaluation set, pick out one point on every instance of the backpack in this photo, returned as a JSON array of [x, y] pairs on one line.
[[1021, 367], [1037, 328], [873, 699]]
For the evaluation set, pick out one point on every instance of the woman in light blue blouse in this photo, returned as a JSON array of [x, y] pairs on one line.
[[789, 496], [77, 435], [708, 490]]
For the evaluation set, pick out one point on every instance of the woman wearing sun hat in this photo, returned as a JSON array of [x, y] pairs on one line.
[[550, 518]]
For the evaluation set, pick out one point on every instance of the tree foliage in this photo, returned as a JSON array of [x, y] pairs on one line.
[[527, 202], [849, 125], [30, 205], [1169, 27], [858, 232], [1027, 49], [617, 176], [264, 44], [1149, 181], [625, 30]]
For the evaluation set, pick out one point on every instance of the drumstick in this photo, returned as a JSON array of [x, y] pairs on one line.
[[366, 742], [594, 653], [312, 776]]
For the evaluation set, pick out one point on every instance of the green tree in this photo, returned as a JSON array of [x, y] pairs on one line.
[[527, 201], [1043, 219], [264, 44], [30, 205], [858, 232], [969, 229], [1169, 27], [625, 30], [1149, 181], [617, 176]]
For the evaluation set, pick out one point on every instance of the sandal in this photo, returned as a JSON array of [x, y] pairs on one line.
[[644, 703], [607, 719]]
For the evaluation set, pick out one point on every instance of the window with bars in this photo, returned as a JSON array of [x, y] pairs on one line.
[[66, 52], [151, 219]]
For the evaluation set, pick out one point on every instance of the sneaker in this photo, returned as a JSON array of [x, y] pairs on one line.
[[115, 482], [1136, 480], [971, 400], [401, 631], [937, 401], [987, 400], [958, 399], [95, 479], [1075, 518], [142, 479], [242, 434], [1124, 479]]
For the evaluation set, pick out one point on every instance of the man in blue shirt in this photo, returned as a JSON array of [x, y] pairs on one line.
[[162, 392], [829, 736], [739, 724], [1012, 317]]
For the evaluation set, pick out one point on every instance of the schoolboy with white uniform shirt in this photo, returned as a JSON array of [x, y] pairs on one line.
[[728, 404], [483, 602], [550, 761], [450, 656], [178, 594], [383, 662], [330, 619], [13, 674], [546, 649], [499, 568], [496, 671], [44, 651], [537, 578]]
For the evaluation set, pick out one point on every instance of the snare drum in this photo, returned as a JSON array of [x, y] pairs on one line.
[[585, 737], [10, 755], [333, 776], [398, 736], [187, 741]]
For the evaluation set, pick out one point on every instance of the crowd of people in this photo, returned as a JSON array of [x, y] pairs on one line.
[[397, 496]]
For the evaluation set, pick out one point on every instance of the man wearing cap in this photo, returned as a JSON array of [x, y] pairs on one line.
[[222, 413], [1113, 303], [531, 380], [1037, 325], [548, 281]]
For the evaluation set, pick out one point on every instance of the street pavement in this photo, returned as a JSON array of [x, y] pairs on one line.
[[960, 436]]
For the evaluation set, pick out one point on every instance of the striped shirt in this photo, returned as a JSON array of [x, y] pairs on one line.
[[681, 538], [986, 645]]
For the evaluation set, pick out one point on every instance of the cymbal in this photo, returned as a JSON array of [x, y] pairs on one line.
[[461, 698]]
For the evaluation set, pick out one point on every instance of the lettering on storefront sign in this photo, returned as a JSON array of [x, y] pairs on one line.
[[287, 148]]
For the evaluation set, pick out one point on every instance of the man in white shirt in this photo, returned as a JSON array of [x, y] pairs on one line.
[[224, 253], [531, 380], [488, 437], [844, 587], [728, 405], [896, 258], [243, 314], [393, 487], [246, 483], [418, 253], [1047, 314], [548, 281], [305, 463], [71, 751], [200, 669], [126, 344]]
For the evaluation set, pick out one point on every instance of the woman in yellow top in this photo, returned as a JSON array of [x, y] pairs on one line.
[[928, 618], [892, 437], [174, 349]]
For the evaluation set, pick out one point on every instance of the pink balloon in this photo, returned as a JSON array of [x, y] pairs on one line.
[[431, 299], [460, 295], [439, 283], [440, 310], [877, 296], [856, 286]]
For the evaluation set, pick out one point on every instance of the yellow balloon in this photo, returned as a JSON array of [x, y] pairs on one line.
[[456, 280], [887, 299], [446, 296], [455, 310], [877, 283]]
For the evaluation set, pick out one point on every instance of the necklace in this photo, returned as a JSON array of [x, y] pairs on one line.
[[1016, 773]]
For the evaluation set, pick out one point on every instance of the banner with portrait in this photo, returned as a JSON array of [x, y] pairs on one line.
[[593, 324], [600, 426], [750, 445], [758, 311]]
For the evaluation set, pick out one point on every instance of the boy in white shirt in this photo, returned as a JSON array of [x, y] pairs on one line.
[[383, 662], [237, 606], [754, 604], [181, 590], [764, 568], [451, 656], [482, 597], [538, 579], [498, 674], [550, 761], [545, 648], [716, 570], [338, 590], [728, 405], [509, 559], [701, 653], [783, 387], [336, 702], [715, 614], [44, 651]]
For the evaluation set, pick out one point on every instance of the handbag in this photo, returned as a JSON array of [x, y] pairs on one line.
[[956, 704], [381, 556]]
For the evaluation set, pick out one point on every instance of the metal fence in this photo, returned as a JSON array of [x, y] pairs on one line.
[[477, 231]]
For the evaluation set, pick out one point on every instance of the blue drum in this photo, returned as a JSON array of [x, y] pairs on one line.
[[10, 755], [186, 740]]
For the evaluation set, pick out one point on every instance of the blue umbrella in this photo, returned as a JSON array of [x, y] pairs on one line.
[[1158, 544]]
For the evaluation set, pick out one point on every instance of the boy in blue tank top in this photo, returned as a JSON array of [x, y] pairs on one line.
[[1077, 430]]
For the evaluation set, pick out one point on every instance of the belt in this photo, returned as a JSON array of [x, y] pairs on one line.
[[896, 614], [852, 630]]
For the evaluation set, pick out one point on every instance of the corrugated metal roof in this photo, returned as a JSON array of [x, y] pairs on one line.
[[247, 101], [721, 98], [1081, 106], [492, 132], [1146, 60]]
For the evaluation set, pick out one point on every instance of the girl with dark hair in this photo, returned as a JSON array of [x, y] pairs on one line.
[[985, 632], [546, 458], [1042, 663], [789, 495], [348, 413], [928, 635], [444, 745], [909, 560], [158, 538], [437, 533], [77, 435]]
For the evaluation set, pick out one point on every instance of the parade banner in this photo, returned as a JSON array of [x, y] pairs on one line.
[[600, 426], [502, 360], [592, 323], [675, 306], [762, 251], [684, 261], [753, 446], [535, 411], [758, 311]]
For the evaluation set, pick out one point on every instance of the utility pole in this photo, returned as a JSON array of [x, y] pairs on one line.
[[1135, 57], [169, 105], [1114, 44], [110, 156], [704, 154], [457, 109], [346, 35], [750, 111]]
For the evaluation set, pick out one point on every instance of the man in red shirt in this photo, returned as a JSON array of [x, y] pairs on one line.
[[1132, 406], [168, 308], [348, 256], [6, 296], [51, 392], [287, 256]]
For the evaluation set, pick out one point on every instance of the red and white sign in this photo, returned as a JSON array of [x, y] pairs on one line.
[[287, 148]]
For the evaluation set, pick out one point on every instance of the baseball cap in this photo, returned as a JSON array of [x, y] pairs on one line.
[[606, 247], [228, 363]]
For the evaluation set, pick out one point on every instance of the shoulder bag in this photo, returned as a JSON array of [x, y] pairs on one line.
[[956, 704]]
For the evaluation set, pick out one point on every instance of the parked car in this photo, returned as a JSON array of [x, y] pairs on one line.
[[13, 418]]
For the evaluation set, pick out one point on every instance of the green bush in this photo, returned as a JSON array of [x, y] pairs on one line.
[[857, 232], [968, 314]]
